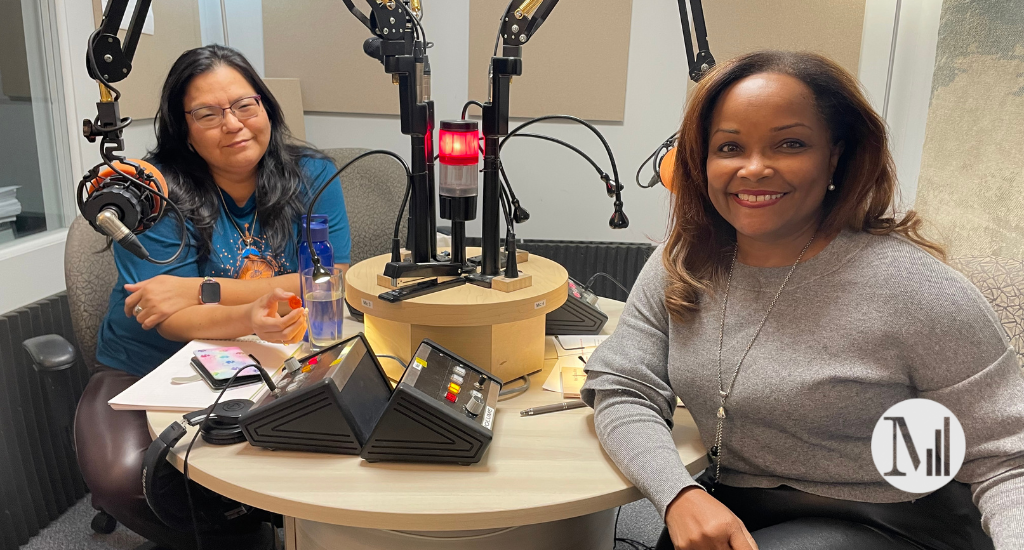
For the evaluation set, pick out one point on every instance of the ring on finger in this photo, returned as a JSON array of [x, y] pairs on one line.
[[137, 310]]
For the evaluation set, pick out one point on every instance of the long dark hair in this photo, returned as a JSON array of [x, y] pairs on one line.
[[281, 184], [700, 243]]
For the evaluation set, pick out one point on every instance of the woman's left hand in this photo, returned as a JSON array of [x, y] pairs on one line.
[[159, 298]]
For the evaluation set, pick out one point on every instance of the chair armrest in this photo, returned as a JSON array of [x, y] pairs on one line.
[[50, 353]]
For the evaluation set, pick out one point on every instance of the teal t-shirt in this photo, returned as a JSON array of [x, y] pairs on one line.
[[123, 344]]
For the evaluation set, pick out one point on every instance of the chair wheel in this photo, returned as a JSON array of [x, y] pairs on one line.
[[103, 523]]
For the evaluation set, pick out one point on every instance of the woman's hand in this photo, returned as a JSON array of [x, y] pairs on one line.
[[271, 326], [160, 297], [697, 521]]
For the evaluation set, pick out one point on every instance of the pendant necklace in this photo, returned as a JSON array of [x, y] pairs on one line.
[[715, 455], [252, 264]]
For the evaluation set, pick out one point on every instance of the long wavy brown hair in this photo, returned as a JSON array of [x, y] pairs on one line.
[[701, 242]]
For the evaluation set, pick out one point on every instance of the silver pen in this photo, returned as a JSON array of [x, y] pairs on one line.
[[555, 407]]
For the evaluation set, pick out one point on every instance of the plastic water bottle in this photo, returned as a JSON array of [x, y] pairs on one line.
[[321, 243], [320, 234]]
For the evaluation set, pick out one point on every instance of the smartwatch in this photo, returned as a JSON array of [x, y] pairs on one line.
[[209, 291]]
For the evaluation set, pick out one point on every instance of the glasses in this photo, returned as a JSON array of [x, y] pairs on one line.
[[212, 116]]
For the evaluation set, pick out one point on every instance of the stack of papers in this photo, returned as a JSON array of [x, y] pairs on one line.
[[155, 392], [9, 205], [569, 350]]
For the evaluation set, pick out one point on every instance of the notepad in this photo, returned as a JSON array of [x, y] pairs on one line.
[[572, 380], [155, 392]]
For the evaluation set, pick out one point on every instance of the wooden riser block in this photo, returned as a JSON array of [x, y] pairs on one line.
[[507, 350], [504, 284], [386, 281]]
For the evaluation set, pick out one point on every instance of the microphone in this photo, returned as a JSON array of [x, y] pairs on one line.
[[117, 207], [618, 219], [372, 48], [109, 223]]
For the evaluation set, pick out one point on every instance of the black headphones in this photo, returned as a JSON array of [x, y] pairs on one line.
[[164, 487]]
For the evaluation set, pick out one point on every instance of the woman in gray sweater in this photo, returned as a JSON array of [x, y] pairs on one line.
[[789, 310]]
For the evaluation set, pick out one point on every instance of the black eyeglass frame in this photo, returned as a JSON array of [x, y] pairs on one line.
[[192, 113]]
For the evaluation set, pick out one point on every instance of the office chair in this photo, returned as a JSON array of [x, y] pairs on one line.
[[89, 273], [373, 189], [1001, 282]]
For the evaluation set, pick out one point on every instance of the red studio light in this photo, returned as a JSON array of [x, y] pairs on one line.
[[458, 142]]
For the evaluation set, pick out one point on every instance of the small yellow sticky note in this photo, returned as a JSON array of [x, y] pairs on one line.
[[421, 362]]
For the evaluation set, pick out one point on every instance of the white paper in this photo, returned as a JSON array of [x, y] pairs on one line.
[[574, 344], [554, 380], [147, 27], [156, 393]]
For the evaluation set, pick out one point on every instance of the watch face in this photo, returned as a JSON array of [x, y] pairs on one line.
[[209, 292]]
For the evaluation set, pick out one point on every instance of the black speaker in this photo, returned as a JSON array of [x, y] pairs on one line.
[[441, 411], [328, 405], [578, 315]]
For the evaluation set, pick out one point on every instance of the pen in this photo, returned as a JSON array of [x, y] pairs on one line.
[[555, 407]]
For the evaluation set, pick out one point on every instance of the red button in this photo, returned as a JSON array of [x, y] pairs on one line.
[[450, 397]]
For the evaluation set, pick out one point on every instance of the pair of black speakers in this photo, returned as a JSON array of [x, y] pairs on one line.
[[341, 401]]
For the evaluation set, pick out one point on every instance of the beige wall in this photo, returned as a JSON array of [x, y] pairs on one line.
[[175, 30], [971, 188], [830, 27]]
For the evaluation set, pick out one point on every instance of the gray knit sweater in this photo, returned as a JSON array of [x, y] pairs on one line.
[[868, 322]]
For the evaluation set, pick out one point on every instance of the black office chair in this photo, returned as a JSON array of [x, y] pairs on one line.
[[90, 274]]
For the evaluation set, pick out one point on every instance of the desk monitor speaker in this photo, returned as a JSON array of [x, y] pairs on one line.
[[441, 411], [578, 315], [329, 405]]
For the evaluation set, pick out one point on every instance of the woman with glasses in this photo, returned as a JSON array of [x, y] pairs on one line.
[[243, 184]]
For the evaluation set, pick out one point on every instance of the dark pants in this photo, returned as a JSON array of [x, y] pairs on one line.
[[110, 446], [784, 518]]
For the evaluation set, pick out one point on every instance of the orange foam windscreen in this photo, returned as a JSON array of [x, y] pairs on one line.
[[667, 170], [161, 184]]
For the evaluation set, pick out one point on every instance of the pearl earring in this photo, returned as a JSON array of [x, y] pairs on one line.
[[831, 186]]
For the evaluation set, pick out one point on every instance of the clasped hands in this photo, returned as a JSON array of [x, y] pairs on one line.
[[154, 300]]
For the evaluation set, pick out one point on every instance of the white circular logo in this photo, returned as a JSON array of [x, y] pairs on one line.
[[918, 445]]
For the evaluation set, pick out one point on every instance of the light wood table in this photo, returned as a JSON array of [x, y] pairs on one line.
[[500, 332], [543, 484]]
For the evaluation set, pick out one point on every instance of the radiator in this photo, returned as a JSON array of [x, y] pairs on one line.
[[39, 477], [582, 259]]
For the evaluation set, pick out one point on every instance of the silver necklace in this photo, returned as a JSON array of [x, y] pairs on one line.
[[248, 236], [723, 392]]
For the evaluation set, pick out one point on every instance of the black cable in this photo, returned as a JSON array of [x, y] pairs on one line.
[[183, 232], [395, 359], [326, 184], [600, 172], [416, 22], [606, 276], [501, 22], [92, 63], [593, 129], [188, 451], [512, 392], [465, 108], [657, 157]]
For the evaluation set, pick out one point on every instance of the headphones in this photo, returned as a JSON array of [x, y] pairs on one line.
[[164, 486], [663, 161]]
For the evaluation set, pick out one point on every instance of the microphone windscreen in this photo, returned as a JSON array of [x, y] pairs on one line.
[[157, 183], [667, 170]]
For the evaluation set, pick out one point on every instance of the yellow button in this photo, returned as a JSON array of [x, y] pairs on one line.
[[454, 388]]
